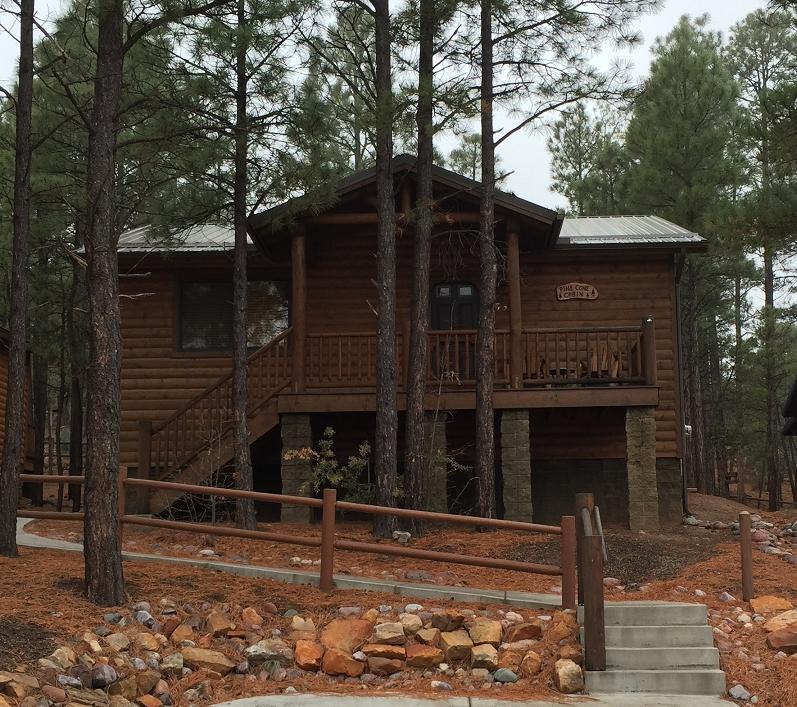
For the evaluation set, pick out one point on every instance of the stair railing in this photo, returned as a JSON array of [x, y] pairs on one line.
[[590, 553], [207, 418]]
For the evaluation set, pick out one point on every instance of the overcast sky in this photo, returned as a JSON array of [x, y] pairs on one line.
[[524, 154]]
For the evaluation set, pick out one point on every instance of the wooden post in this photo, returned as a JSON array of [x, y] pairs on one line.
[[568, 562], [515, 309], [583, 500], [746, 541], [594, 629], [120, 500], [298, 307], [326, 583], [649, 351]]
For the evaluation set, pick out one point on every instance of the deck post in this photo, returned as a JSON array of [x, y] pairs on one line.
[[649, 351], [298, 307], [326, 582], [568, 562], [515, 309], [583, 500], [746, 542], [594, 620]]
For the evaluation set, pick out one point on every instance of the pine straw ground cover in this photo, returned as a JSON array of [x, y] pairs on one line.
[[42, 590]]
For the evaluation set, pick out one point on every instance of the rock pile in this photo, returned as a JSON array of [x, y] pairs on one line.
[[141, 654]]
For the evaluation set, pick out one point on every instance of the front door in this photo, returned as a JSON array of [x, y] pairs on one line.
[[455, 305]]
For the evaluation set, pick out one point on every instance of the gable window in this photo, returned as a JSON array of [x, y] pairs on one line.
[[205, 314]]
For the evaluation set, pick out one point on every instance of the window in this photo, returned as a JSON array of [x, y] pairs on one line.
[[454, 305], [205, 314]]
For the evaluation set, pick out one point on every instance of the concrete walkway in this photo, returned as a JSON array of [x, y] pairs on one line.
[[633, 700], [525, 600]]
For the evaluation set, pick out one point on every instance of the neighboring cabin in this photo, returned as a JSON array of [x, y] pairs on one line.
[[587, 395]]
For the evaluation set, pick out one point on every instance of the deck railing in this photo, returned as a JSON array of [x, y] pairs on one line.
[[208, 417]]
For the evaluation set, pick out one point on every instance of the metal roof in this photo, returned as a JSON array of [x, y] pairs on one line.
[[624, 231], [204, 238]]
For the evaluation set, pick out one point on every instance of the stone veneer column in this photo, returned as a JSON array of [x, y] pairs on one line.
[[296, 434], [435, 438], [516, 464], [640, 444]]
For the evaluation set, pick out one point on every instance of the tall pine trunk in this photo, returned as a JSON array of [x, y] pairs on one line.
[[488, 273], [75, 323], [386, 414], [772, 442], [102, 541], [692, 388], [13, 449], [39, 409], [415, 462], [245, 516]]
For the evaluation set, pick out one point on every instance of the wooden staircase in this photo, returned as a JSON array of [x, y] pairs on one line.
[[197, 440]]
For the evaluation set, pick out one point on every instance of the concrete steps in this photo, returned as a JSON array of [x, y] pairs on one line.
[[657, 647]]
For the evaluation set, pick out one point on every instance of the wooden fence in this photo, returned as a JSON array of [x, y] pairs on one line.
[[328, 541]]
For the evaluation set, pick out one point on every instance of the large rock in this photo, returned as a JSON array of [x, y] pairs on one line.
[[523, 632], [384, 666], [572, 652], [391, 633], [787, 618], [336, 662], [567, 677], [250, 617], [103, 675], [147, 642], [429, 636], [218, 624], [769, 604], [411, 622], [456, 645], [384, 650], [531, 664], [271, 649], [510, 659], [784, 639], [172, 665], [486, 631], [308, 654], [118, 642], [204, 659], [346, 635], [484, 656], [560, 632], [422, 656], [183, 632]]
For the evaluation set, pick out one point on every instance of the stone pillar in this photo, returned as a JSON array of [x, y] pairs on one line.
[[640, 444], [296, 434], [516, 464], [434, 434]]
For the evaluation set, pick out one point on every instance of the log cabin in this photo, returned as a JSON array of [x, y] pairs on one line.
[[587, 392]]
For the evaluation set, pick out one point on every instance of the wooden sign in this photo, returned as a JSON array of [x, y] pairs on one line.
[[576, 290]]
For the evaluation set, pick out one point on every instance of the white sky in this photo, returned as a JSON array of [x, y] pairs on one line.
[[524, 154]]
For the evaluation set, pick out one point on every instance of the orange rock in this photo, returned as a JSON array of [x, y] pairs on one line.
[[169, 624], [429, 636], [560, 631], [523, 632], [149, 701], [205, 640], [346, 635], [787, 618], [510, 659], [784, 639], [572, 652], [308, 654], [383, 650], [531, 664], [218, 623], [384, 666], [336, 662], [250, 617], [421, 656], [182, 633], [769, 604]]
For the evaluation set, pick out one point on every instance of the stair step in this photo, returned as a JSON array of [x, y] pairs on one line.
[[654, 613], [668, 682], [657, 637], [662, 658]]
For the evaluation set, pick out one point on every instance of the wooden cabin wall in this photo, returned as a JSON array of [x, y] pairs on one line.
[[156, 378]]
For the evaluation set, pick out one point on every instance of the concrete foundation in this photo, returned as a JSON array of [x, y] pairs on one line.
[[296, 433], [643, 493], [516, 464], [435, 438]]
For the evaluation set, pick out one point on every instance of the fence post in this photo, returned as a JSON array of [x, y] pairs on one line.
[[568, 562], [594, 629], [120, 507], [326, 583], [583, 500], [746, 541]]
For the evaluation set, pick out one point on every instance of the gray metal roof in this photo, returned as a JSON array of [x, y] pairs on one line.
[[624, 231], [204, 238]]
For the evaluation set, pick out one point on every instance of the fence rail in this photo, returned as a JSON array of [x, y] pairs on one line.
[[329, 542]]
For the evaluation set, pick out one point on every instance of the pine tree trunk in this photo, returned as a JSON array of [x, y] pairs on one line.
[[13, 449], [39, 405], [737, 391], [718, 405], [772, 442], [245, 516], [692, 380], [488, 274], [102, 543], [386, 415], [415, 462]]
